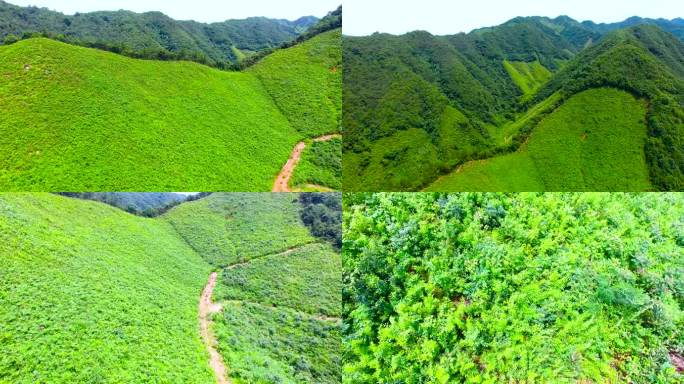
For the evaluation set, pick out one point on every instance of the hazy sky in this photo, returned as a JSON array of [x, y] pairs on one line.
[[199, 10], [441, 17]]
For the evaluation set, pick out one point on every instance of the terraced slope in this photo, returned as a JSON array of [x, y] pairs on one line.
[[89, 293], [592, 142], [78, 119]]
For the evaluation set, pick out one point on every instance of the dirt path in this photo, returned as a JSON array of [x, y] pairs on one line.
[[206, 307], [283, 179]]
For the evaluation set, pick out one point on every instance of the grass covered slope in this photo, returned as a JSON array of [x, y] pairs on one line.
[[529, 77], [235, 227], [89, 293], [279, 287], [305, 82], [489, 288], [592, 142], [282, 280], [83, 119], [278, 345]]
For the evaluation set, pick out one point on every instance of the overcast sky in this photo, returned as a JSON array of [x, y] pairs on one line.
[[441, 17], [199, 10]]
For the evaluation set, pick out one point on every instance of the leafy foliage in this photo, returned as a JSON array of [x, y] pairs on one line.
[[282, 280], [305, 82], [322, 214], [488, 288], [278, 345]]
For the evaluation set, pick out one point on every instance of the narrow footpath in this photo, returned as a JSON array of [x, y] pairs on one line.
[[206, 308], [282, 182]]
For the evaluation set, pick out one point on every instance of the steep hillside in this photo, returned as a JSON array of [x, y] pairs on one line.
[[305, 82], [440, 101], [575, 148], [278, 286], [116, 123], [90, 293], [152, 33]]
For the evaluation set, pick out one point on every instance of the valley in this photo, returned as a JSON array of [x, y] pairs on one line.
[[82, 119], [532, 104], [90, 292]]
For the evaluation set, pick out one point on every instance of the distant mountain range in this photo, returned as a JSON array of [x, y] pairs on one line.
[[419, 107], [227, 41]]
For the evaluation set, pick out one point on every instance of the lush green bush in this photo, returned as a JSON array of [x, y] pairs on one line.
[[282, 280], [490, 288], [322, 214]]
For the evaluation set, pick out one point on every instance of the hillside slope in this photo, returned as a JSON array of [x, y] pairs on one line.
[[440, 101], [89, 293], [575, 148], [83, 119], [278, 287]]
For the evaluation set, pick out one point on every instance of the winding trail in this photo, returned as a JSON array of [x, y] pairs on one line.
[[283, 178], [206, 308]]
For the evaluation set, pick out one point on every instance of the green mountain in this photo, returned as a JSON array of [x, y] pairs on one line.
[[150, 33], [513, 98], [80, 119], [90, 293]]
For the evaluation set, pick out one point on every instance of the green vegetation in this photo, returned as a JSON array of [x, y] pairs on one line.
[[278, 345], [153, 34], [437, 102], [282, 280], [490, 288], [305, 83], [235, 227], [574, 148], [528, 76], [116, 123], [321, 164], [322, 214], [89, 293], [277, 289]]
